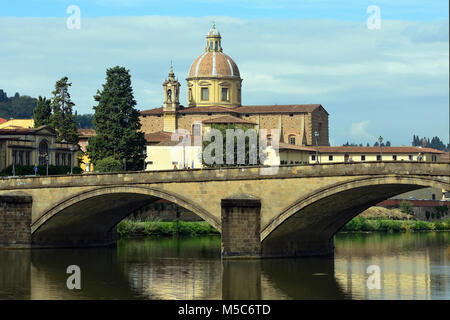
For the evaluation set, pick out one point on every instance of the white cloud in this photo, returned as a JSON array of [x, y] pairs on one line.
[[358, 132]]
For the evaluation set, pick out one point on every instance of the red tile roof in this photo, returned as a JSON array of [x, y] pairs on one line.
[[294, 108], [157, 136], [345, 149], [325, 149], [287, 146], [2, 120]]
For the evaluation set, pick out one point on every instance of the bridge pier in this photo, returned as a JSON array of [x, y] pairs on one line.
[[15, 221], [241, 220]]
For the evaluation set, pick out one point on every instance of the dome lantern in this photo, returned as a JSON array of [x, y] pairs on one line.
[[213, 40]]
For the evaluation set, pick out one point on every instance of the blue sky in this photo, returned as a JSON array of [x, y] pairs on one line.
[[419, 10], [391, 82]]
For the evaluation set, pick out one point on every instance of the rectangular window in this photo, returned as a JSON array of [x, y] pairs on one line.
[[378, 157], [292, 140], [363, 157], [313, 157], [394, 157], [224, 94], [410, 157], [330, 157], [27, 158], [433, 158], [205, 94], [197, 130]]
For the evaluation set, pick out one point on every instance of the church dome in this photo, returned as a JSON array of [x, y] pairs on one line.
[[214, 64]]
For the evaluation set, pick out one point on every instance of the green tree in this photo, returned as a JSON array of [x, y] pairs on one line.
[[406, 207], [62, 119], [108, 164], [116, 121], [17, 107], [84, 121], [42, 112]]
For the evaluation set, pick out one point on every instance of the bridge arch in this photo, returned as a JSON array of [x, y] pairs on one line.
[[97, 211], [319, 215]]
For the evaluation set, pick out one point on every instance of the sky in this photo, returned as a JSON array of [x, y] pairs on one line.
[[391, 81]]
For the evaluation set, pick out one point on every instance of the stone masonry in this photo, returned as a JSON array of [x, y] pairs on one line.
[[15, 221], [241, 227]]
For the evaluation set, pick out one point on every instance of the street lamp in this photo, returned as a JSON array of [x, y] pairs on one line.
[[316, 134], [71, 159], [145, 158], [380, 139], [46, 161]]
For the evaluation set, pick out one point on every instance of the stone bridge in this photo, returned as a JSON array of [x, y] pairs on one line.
[[294, 211]]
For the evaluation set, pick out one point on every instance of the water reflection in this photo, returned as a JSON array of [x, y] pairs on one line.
[[413, 266]]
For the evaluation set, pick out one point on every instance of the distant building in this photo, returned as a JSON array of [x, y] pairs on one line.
[[292, 154], [84, 134], [30, 146]]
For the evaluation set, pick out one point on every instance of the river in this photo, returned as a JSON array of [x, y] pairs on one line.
[[410, 265]]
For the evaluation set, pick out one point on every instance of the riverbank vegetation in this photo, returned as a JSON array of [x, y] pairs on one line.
[[130, 228], [360, 223]]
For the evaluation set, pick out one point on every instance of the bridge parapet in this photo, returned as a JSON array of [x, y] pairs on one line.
[[229, 174]]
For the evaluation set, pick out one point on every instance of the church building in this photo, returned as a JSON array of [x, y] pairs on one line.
[[214, 95]]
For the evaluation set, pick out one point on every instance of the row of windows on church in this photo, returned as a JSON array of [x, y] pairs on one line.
[[224, 94]]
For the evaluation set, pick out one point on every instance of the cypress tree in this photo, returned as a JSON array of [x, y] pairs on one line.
[[116, 122], [62, 119], [42, 112]]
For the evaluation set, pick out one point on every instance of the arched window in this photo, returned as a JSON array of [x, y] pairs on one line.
[[43, 152]]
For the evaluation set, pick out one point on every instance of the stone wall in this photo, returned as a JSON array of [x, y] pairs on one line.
[[15, 221], [241, 227], [152, 123]]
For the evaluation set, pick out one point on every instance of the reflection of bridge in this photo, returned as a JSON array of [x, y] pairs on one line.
[[291, 213]]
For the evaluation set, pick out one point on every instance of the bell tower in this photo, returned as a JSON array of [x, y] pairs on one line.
[[171, 101]]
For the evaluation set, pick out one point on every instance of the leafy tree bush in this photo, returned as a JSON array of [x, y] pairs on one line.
[[42, 170], [108, 164], [406, 207]]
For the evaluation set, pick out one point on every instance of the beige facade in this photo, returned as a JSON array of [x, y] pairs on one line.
[[291, 154], [23, 146]]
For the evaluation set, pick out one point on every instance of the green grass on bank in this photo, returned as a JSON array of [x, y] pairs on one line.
[[363, 224], [129, 228]]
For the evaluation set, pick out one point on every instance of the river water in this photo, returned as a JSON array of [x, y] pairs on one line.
[[410, 265]]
